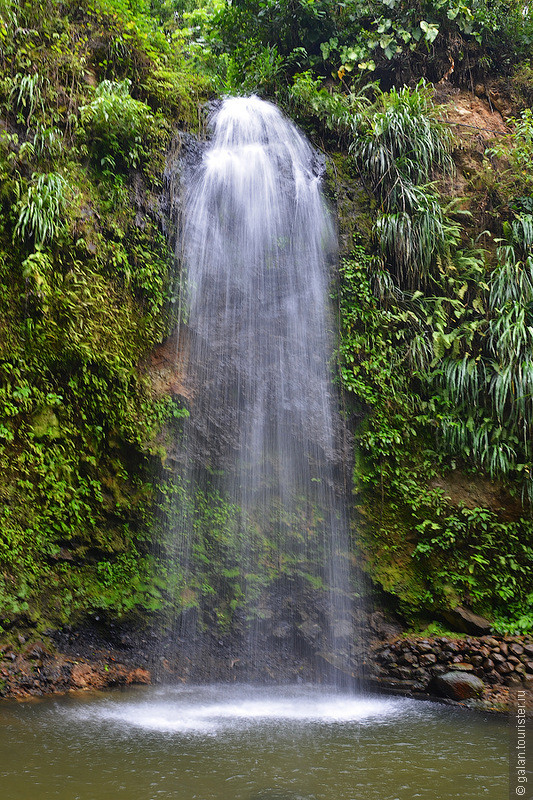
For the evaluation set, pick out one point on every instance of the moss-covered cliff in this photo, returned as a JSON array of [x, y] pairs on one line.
[[432, 185], [91, 95]]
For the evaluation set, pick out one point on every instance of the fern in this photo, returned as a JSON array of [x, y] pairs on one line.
[[399, 149], [490, 390], [26, 94], [40, 212], [117, 126]]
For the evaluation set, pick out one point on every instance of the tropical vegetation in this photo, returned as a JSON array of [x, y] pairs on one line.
[[435, 289]]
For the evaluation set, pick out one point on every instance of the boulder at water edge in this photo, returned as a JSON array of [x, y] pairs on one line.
[[458, 685]]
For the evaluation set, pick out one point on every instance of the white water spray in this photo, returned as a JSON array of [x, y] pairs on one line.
[[257, 243]]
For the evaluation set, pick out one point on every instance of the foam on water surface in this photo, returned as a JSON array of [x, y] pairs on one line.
[[221, 709]]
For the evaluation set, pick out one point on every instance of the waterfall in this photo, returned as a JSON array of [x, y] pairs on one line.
[[261, 460]]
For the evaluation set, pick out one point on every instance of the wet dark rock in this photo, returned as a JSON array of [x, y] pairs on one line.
[[343, 629], [516, 648], [385, 656], [402, 672], [490, 641], [384, 626], [311, 631], [486, 658], [463, 666], [503, 669], [465, 621], [408, 658], [458, 685], [283, 630]]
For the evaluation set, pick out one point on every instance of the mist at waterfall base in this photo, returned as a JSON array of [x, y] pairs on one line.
[[260, 531]]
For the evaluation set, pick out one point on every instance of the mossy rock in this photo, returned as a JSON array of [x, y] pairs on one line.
[[46, 424]]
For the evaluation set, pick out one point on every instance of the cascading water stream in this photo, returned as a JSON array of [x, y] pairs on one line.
[[263, 432]]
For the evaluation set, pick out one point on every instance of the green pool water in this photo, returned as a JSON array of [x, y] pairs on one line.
[[246, 743]]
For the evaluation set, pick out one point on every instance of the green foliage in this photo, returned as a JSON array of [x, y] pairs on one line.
[[516, 153], [487, 384], [40, 212], [396, 362], [308, 97], [120, 129], [435, 345], [26, 95], [457, 28], [401, 144], [254, 72], [482, 558], [476, 330], [84, 288], [393, 39], [178, 92], [399, 147]]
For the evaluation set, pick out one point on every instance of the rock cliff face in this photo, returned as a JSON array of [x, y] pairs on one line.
[[92, 372], [165, 366], [488, 669], [38, 669]]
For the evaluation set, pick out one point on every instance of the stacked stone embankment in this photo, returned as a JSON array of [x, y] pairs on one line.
[[458, 668]]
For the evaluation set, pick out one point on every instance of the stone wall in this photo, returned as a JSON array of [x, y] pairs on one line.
[[458, 668]]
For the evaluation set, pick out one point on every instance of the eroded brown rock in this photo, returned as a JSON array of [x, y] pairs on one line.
[[36, 672], [166, 366]]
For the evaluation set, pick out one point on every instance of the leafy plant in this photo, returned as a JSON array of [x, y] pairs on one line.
[[119, 128], [26, 95], [309, 97], [40, 212], [487, 383], [484, 559], [399, 146]]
